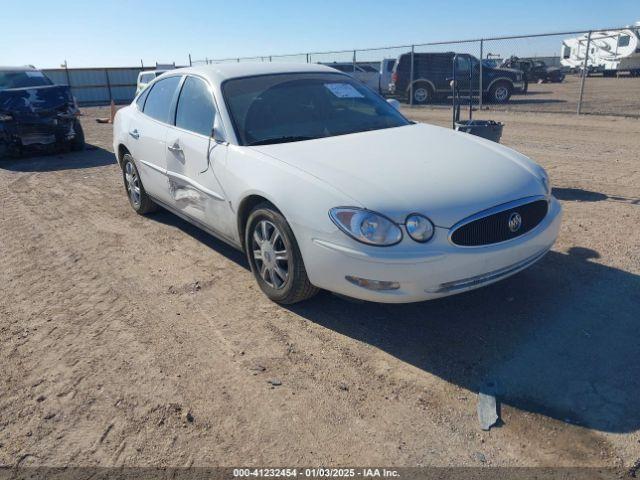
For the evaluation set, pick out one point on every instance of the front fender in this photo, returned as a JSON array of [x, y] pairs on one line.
[[303, 199]]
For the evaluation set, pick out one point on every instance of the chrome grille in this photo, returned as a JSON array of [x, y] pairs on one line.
[[495, 227]]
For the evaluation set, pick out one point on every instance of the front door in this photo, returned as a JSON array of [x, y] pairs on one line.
[[194, 158]]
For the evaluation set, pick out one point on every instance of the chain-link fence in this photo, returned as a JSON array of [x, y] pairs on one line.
[[595, 72]]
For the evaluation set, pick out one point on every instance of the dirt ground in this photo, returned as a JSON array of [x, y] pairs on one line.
[[141, 341]]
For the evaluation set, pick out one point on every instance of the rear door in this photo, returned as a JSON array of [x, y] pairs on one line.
[[148, 132], [193, 157]]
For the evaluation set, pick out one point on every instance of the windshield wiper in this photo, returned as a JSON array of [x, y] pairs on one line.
[[285, 139]]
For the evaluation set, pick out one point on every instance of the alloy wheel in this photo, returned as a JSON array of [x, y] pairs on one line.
[[420, 94], [133, 183], [270, 254], [502, 93]]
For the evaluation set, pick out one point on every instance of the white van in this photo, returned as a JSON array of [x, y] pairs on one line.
[[145, 77]]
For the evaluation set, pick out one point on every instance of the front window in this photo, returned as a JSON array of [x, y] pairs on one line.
[[23, 79], [281, 108], [195, 111]]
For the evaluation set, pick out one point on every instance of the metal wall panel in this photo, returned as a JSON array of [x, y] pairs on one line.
[[97, 86]]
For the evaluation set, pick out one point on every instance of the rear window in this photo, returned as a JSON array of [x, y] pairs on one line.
[[23, 79], [159, 98], [390, 66]]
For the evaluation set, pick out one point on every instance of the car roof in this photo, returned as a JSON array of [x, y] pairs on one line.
[[220, 72], [21, 68]]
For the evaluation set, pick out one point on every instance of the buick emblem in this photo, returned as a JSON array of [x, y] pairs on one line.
[[515, 222]]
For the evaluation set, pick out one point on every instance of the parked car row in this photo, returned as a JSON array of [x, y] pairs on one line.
[[432, 75]]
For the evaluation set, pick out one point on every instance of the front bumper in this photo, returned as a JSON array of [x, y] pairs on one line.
[[425, 271]]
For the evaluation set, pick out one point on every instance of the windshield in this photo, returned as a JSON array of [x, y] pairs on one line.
[[292, 107], [22, 79]]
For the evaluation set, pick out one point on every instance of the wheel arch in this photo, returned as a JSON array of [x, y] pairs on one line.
[[122, 151], [421, 80], [500, 79], [245, 206]]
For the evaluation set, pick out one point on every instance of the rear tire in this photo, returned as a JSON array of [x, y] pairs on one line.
[[422, 94], [274, 257], [138, 198]]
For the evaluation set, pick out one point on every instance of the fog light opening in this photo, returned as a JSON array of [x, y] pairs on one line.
[[377, 285]]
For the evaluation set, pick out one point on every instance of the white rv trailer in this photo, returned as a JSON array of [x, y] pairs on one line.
[[609, 52]]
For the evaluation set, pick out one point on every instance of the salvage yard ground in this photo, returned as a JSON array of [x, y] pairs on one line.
[[127, 340]]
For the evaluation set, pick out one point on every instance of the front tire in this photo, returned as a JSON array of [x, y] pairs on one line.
[[500, 92], [274, 257], [138, 198], [77, 144]]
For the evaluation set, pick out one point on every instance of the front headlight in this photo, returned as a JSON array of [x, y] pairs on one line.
[[419, 227], [366, 226]]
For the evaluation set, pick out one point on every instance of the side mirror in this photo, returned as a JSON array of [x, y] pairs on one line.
[[394, 103], [217, 135]]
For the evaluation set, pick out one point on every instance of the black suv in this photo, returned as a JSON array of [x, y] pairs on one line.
[[534, 70], [432, 73]]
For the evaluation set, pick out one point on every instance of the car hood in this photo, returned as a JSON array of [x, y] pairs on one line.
[[514, 71], [419, 168]]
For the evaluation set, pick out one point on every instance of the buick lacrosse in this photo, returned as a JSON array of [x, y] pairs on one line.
[[325, 185]]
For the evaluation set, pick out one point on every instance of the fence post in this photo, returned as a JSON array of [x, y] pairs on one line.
[[480, 92], [585, 69], [307, 58], [66, 71], [190, 64], [106, 72], [354, 62], [411, 77]]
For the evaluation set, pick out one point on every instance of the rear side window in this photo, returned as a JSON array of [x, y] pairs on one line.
[[624, 40], [158, 104], [195, 111], [390, 66], [142, 98]]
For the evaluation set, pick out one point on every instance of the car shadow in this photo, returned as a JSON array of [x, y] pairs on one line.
[[91, 157], [559, 339], [580, 195], [167, 218]]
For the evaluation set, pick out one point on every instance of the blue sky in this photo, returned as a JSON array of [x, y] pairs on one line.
[[121, 33]]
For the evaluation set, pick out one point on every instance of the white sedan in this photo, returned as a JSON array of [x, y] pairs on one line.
[[325, 185]]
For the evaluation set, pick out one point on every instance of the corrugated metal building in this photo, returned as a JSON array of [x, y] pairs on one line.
[[98, 86]]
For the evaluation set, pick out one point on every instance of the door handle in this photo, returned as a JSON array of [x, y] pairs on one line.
[[134, 134], [175, 148]]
